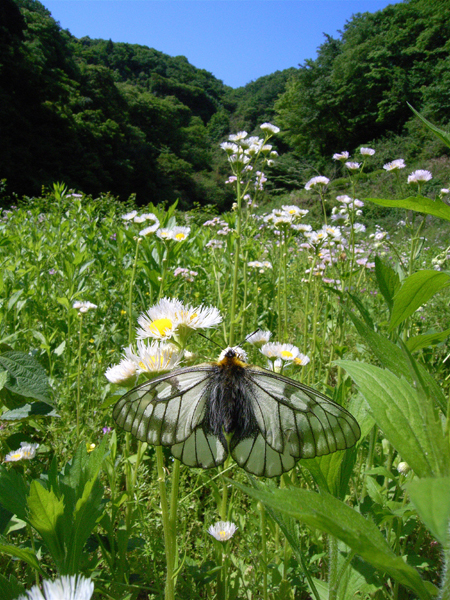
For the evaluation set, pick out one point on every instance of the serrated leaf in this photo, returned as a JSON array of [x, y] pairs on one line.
[[415, 291], [420, 204], [26, 377], [3, 379], [431, 498], [34, 409], [407, 420], [323, 511]]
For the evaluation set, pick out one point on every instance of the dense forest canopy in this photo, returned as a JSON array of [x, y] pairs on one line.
[[104, 116]]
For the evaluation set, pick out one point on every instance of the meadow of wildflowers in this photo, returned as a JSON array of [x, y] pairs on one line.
[[98, 298]]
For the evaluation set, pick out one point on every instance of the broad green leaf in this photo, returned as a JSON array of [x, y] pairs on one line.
[[46, 515], [415, 291], [407, 420], [431, 497], [323, 511], [394, 359], [437, 208], [443, 135], [22, 554], [428, 339], [26, 377], [34, 409], [10, 589], [388, 281], [3, 379], [13, 492]]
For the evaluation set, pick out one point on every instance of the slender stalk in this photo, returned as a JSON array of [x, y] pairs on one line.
[[80, 314], [262, 526], [169, 593], [285, 251], [130, 294], [237, 251], [333, 582]]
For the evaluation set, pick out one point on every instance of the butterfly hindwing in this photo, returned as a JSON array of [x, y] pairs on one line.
[[296, 419], [200, 450], [166, 410], [256, 456]]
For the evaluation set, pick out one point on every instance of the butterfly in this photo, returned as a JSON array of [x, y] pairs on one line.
[[266, 421]]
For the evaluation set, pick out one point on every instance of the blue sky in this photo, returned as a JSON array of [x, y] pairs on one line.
[[236, 40]]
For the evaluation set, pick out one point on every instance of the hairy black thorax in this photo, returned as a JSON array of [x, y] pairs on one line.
[[229, 413]]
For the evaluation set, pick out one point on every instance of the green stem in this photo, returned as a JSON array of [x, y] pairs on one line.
[[79, 376], [237, 251], [262, 526], [332, 568], [285, 250], [130, 295], [169, 589]]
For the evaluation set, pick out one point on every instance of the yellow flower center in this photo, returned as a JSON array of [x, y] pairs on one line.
[[160, 326], [222, 534], [180, 236], [16, 455], [286, 354]]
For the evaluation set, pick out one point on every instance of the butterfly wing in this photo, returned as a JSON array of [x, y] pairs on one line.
[[168, 409], [201, 450], [294, 420]]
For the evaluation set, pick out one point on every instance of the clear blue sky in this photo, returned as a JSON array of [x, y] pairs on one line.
[[236, 40]]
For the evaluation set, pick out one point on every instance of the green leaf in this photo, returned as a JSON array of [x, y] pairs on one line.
[[392, 357], [406, 418], [388, 281], [420, 204], [26, 377], [46, 515], [443, 135], [322, 511], [3, 379], [13, 492], [35, 409], [428, 339], [10, 589], [431, 497], [22, 554], [415, 291]]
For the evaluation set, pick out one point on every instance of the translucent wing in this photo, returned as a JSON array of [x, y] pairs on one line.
[[168, 409], [256, 456], [296, 420], [201, 449]]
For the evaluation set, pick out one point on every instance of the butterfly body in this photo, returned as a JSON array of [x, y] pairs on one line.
[[208, 411]]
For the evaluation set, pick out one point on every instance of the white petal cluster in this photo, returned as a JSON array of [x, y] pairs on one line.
[[25, 452], [367, 151], [395, 165], [83, 307], [318, 181], [341, 156], [259, 338], [169, 315], [223, 530], [122, 373], [65, 588], [270, 128], [153, 357], [285, 352], [420, 176]]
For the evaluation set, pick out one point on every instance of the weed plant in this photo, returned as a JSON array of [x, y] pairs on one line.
[[364, 307]]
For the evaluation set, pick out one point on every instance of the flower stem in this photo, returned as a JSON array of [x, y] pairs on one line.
[[79, 375], [237, 251], [168, 542]]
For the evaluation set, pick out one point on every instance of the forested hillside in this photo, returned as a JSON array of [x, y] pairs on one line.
[[104, 116]]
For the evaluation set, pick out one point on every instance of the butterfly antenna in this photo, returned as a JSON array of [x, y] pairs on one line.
[[210, 340], [247, 336]]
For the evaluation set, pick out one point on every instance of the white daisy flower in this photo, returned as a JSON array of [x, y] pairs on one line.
[[320, 180], [270, 128], [67, 587], [396, 164], [285, 352], [154, 357], [179, 234], [25, 452], [420, 176], [352, 166], [258, 338], [122, 373], [302, 360], [237, 137], [367, 151], [341, 156], [129, 216], [83, 307], [223, 530], [164, 233]]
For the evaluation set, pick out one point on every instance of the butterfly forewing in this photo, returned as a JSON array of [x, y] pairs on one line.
[[165, 410], [290, 413]]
